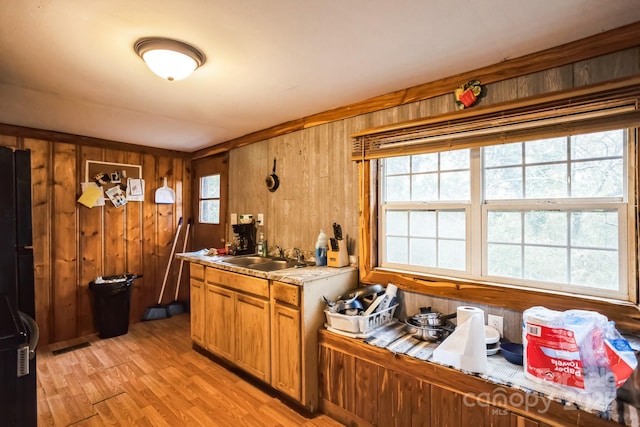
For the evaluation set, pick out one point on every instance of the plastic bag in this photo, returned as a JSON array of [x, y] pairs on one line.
[[576, 350]]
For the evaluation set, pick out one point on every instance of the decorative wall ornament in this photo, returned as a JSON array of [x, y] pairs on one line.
[[469, 93]]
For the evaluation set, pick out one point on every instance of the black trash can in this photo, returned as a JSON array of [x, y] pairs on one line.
[[112, 302]]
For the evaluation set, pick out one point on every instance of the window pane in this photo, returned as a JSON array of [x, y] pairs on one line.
[[397, 165], [545, 264], [503, 183], [503, 155], [545, 228], [454, 186], [451, 254], [423, 252], [210, 187], [600, 144], [423, 223], [210, 211], [398, 188], [600, 178], [452, 225], [595, 229], [546, 181], [458, 159], [598, 269], [504, 260], [397, 223], [424, 163], [424, 187], [546, 150], [504, 227], [397, 250]]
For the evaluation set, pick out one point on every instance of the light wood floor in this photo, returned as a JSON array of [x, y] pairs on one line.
[[152, 377]]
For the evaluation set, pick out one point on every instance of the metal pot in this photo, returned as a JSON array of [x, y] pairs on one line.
[[427, 333], [432, 318]]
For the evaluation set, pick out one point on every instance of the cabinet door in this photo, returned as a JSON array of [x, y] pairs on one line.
[[445, 408], [286, 358], [403, 400], [197, 311], [252, 352], [219, 328]]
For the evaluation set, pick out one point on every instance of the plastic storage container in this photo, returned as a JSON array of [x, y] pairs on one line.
[[112, 304]]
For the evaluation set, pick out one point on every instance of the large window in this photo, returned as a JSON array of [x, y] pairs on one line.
[[550, 213]]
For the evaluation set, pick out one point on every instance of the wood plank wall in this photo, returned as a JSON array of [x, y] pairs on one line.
[[74, 244], [319, 184]]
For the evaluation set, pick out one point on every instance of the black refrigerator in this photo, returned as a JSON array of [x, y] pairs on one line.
[[18, 329]]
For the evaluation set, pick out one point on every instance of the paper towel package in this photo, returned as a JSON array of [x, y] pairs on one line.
[[465, 348], [576, 350]]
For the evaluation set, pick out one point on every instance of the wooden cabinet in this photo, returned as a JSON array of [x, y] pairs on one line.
[[237, 320], [297, 313], [362, 385], [197, 304], [220, 328], [252, 343], [268, 328], [286, 345]]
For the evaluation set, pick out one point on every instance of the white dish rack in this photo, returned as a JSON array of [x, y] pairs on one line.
[[358, 326]]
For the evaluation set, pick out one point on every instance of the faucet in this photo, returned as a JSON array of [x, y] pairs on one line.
[[280, 252], [299, 258]]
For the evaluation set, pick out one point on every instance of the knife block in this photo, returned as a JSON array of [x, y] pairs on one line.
[[339, 258]]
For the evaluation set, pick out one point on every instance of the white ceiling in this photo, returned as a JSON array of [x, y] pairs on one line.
[[69, 65]]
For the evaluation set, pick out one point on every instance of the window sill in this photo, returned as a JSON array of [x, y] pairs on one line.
[[625, 314]]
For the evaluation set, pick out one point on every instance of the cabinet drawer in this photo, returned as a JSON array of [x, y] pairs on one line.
[[197, 271], [238, 282], [286, 293]]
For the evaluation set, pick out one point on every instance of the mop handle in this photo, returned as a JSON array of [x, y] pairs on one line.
[[166, 273], [184, 248]]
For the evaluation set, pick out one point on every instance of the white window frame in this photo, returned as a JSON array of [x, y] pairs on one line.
[[476, 230], [201, 199]]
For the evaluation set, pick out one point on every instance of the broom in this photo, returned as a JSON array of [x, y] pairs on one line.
[[177, 307], [159, 311]]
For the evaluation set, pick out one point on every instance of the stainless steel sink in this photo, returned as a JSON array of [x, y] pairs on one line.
[[264, 263], [248, 260], [273, 265]]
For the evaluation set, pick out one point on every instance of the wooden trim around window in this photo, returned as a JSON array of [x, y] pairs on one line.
[[625, 314]]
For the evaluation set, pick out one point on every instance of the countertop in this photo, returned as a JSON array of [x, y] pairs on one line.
[[295, 276], [394, 338]]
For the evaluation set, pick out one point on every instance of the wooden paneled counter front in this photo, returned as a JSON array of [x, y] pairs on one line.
[[265, 323], [363, 385]]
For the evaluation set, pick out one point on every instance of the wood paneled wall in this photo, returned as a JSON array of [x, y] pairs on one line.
[[74, 244], [319, 184]]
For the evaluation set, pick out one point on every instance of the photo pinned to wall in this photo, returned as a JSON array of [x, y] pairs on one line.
[[113, 179], [117, 196], [135, 189]]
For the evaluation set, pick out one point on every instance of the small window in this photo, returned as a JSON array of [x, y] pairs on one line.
[[210, 199]]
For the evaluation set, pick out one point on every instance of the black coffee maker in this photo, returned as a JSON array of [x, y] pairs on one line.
[[245, 239]]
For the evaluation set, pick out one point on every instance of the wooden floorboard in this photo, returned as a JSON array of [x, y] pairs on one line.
[[152, 377]]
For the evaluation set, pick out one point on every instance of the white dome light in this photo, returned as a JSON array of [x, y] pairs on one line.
[[169, 59]]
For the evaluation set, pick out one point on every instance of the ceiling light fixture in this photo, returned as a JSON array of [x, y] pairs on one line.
[[169, 59]]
